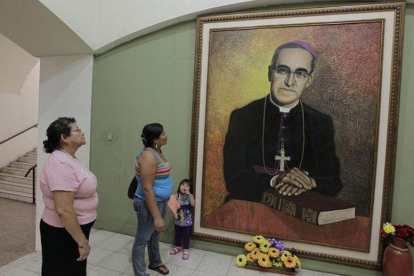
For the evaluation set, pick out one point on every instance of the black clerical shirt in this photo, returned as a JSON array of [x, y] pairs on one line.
[[244, 171]]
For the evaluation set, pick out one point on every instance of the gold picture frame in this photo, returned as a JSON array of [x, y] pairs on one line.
[[357, 83]]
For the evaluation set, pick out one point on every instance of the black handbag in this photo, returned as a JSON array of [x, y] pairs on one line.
[[132, 188]]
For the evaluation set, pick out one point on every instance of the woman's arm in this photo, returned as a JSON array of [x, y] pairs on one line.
[[64, 208], [148, 166]]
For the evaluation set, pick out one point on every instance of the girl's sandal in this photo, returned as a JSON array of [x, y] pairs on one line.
[[175, 250], [186, 254]]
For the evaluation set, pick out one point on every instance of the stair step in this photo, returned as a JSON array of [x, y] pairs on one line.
[[27, 160], [16, 187], [13, 183], [31, 155], [17, 178], [21, 165], [14, 195], [16, 171]]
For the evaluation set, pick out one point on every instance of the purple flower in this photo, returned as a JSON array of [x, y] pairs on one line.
[[276, 243]]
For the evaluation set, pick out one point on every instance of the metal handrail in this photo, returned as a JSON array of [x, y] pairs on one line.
[[18, 134], [34, 181]]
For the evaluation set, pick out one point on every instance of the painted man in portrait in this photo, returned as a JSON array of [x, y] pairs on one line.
[[279, 141]]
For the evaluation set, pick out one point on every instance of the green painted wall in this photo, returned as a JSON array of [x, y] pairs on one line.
[[151, 80], [147, 80]]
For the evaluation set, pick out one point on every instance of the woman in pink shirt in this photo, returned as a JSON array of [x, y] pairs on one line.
[[69, 194]]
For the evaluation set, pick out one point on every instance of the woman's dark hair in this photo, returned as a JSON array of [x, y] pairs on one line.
[[55, 130], [151, 132], [188, 181]]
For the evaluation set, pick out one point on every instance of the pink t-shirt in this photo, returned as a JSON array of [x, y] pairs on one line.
[[62, 172]]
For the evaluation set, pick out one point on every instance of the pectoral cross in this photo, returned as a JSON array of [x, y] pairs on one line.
[[282, 158]]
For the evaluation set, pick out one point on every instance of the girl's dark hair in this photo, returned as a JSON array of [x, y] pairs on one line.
[[55, 130], [188, 181], [151, 132]]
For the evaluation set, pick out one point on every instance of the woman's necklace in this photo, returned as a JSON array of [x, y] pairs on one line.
[[282, 158], [73, 156], [80, 163], [158, 150]]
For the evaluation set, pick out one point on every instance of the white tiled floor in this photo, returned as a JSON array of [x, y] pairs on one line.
[[111, 256]]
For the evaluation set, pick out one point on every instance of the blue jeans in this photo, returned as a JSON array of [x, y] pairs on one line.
[[146, 234]]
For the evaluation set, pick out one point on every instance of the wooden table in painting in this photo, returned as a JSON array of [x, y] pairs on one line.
[[255, 218]]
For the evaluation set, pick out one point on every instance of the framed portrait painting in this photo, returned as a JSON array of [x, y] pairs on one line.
[[294, 127]]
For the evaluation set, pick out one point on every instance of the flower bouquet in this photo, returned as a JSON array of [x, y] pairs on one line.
[[268, 255], [404, 232], [397, 259]]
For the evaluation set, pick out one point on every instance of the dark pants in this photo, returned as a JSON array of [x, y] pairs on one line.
[[182, 232], [60, 251]]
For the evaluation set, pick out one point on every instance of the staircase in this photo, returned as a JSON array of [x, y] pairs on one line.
[[13, 184]]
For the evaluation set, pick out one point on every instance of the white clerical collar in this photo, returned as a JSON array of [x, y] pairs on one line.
[[282, 109]]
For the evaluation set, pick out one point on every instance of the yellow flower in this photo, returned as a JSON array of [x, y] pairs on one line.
[[297, 261], [255, 254], [264, 254], [249, 246], [285, 254], [264, 247], [264, 260], [289, 262], [259, 239], [274, 252], [241, 260], [388, 228], [278, 264], [249, 258]]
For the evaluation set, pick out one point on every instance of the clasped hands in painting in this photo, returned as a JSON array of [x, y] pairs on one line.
[[293, 182]]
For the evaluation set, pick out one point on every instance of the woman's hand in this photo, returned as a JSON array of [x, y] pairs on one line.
[[159, 225], [83, 252]]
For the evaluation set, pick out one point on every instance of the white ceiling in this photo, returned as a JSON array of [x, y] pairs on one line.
[[52, 27], [15, 66], [32, 26], [104, 24]]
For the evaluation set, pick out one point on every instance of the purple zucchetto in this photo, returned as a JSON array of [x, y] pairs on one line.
[[302, 44], [291, 44]]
